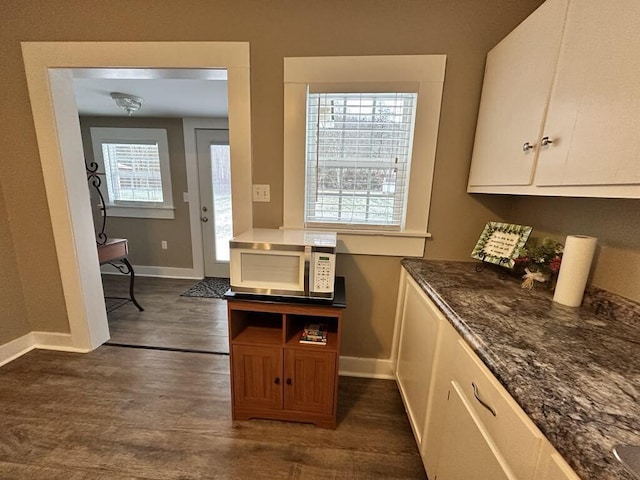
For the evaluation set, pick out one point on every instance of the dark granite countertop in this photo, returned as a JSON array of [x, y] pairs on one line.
[[574, 371]]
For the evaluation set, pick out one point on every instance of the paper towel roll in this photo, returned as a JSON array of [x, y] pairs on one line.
[[574, 269]]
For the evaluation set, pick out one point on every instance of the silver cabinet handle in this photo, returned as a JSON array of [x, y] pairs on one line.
[[546, 141], [482, 402], [527, 146]]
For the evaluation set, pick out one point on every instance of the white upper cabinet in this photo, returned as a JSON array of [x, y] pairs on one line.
[[594, 112], [518, 78], [584, 126]]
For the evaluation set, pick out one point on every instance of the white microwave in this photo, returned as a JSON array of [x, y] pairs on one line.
[[290, 263]]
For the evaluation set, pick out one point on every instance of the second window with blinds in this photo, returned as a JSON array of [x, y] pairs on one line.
[[133, 164], [360, 141]]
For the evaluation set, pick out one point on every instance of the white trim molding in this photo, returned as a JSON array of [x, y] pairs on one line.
[[380, 368], [16, 348], [422, 74], [62, 342], [155, 271], [49, 68]]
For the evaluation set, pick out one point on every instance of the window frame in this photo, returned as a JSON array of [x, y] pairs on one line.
[[316, 142], [423, 74], [131, 208]]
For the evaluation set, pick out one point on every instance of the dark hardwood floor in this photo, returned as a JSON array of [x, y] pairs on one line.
[[126, 413], [168, 320], [129, 413]]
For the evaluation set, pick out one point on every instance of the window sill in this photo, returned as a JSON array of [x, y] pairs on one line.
[[380, 242], [391, 244], [166, 213]]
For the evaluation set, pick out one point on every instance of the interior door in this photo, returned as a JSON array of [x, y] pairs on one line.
[[214, 174]]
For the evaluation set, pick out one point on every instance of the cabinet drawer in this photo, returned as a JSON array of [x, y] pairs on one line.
[[517, 439]]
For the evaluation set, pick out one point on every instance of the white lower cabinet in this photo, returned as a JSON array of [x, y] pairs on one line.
[[418, 337], [485, 434], [467, 449], [466, 424], [552, 466]]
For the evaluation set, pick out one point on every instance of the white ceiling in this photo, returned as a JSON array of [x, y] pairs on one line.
[[164, 92]]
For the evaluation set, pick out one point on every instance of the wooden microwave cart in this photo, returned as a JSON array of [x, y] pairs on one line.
[[273, 375]]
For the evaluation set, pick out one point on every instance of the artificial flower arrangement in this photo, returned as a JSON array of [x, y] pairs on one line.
[[539, 261]]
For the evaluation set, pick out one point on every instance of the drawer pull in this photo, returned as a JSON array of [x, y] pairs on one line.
[[482, 402]]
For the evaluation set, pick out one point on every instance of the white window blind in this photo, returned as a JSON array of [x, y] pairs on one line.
[[132, 172], [358, 154], [137, 171]]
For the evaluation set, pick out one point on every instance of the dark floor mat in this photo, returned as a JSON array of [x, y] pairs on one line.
[[210, 287]]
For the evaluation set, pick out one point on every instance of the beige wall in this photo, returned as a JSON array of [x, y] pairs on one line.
[[146, 234], [463, 29], [615, 222], [13, 316]]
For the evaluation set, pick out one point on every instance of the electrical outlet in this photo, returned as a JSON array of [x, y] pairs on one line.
[[164, 244], [261, 193]]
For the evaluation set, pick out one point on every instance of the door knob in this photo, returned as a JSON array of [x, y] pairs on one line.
[[204, 219], [204, 209]]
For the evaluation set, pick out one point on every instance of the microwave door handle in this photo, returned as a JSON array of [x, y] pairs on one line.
[[308, 270]]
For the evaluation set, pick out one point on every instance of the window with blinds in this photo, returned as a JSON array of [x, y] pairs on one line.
[[132, 172], [133, 164], [358, 155]]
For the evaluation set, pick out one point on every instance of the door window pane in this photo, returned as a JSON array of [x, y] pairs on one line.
[[221, 182]]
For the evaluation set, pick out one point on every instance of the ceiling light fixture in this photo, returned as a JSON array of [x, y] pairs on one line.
[[129, 103]]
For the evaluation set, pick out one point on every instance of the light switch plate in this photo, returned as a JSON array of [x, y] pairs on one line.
[[261, 193]]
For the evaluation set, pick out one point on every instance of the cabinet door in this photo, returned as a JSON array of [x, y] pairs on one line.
[[518, 78], [257, 376], [467, 451], [309, 380], [416, 353], [594, 112]]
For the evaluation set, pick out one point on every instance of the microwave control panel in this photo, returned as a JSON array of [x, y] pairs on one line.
[[323, 268]]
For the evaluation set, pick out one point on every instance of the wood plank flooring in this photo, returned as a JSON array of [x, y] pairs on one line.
[[125, 413], [168, 320]]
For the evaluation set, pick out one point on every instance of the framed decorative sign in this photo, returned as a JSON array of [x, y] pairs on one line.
[[500, 243]]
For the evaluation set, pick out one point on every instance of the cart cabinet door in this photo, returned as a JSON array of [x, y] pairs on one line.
[[309, 380], [257, 372]]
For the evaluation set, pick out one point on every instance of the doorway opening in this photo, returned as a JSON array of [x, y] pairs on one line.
[[50, 79]]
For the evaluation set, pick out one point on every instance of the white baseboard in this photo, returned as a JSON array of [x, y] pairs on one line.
[[366, 367], [15, 348], [349, 366], [153, 271], [42, 340], [55, 341]]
